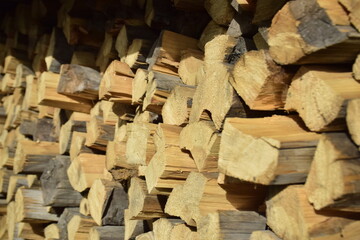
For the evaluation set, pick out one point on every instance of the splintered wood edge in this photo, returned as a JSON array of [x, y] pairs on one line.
[[76, 178], [84, 207], [139, 85], [64, 137], [136, 197], [73, 225]]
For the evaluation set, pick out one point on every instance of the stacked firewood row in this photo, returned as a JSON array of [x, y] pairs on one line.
[[199, 120]]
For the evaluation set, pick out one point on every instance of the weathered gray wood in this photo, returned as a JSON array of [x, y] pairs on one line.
[[115, 205], [64, 219]]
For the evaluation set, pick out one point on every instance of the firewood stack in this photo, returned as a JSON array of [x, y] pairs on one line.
[[179, 119]]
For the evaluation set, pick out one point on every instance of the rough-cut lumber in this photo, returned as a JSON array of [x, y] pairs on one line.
[[106, 233], [85, 169], [292, 217], [79, 226], [30, 206], [230, 225], [352, 116], [107, 201], [220, 11], [48, 96], [59, 51], [79, 81], [211, 30], [57, 190], [272, 150], [167, 52], [356, 68], [143, 205], [98, 134], [264, 235], [191, 61], [312, 31], [335, 174], [319, 95], [260, 82], [203, 142], [199, 196], [116, 83]]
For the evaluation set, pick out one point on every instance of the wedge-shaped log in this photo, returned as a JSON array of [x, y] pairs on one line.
[[52, 231], [17, 181], [191, 62], [64, 219], [133, 228], [165, 228], [291, 216], [79, 227], [98, 133], [273, 150], [67, 129], [319, 94], [335, 174], [146, 236], [353, 7]]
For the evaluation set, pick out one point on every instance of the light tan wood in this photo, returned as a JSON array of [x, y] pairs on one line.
[[84, 207], [79, 227], [30, 230], [139, 85], [133, 228], [48, 96], [163, 227], [334, 174], [98, 133], [319, 95], [66, 132], [264, 235], [272, 150], [356, 68], [211, 30], [30, 97], [353, 7], [146, 236], [17, 181], [220, 11], [291, 216], [191, 61], [11, 219], [7, 82], [77, 144], [52, 232], [85, 169], [352, 114]]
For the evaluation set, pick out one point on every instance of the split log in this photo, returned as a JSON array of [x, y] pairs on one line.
[[22, 72], [320, 94], [57, 190], [334, 174], [211, 30], [5, 175], [107, 53], [243, 45], [143, 205], [146, 236], [84, 207], [79, 226], [352, 114], [30, 207], [79, 81], [30, 230], [7, 82], [230, 225], [66, 132], [11, 219], [137, 53], [356, 68], [140, 82], [220, 11], [199, 196], [13, 58], [48, 96], [85, 169], [203, 142], [98, 134], [312, 31], [64, 219], [280, 149], [106, 232], [78, 144], [116, 83], [107, 201], [189, 65], [133, 228], [183, 231], [52, 232], [353, 7], [291, 208], [260, 81], [264, 235], [163, 226], [17, 181], [166, 54], [59, 51]]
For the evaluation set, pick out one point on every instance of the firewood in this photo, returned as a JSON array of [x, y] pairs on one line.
[[30, 97], [79, 81], [46, 111], [330, 185], [85, 169], [140, 82], [98, 134], [319, 94], [356, 68], [17, 181], [107, 53], [229, 223], [11, 219], [243, 45], [29, 206], [21, 72], [323, 41], [242, 25], [48, 96], [199, 196], [78, 144], [5, 175], [354, 8], [203, 142], [260, 81], [137, 52], [166, 54], [220, 11], [133, 228], [264, 235], [32, 157], [59, 51], [143, 205], [52, 231], [352, 114], [162, 227], [291, 208], [261, 39], [13, 58], [3, 227], [281, 140], [64, 219], [106, 232], [66, 133], [211, 30], [107, 201], [57, 190], [146, 236], [84, 207], [191, 61], [86, 58], [7, 82], [79, 226], [106, 110], [116, 83], [30, 230]]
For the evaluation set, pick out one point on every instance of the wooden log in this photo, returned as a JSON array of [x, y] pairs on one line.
[[59, 51], [334, 174], [140, 83], [220, 11], [287, 150], [137, 52], [203, 142], [107, 201], [11, 219], [3, 230], [116, 83], [312, 38], [32, 157], [79, 226], [106, 232], [78, 144], [319, 94], [133, 228], [13, 58], [85, 169], [17, 181], [107, 53], [5, 175], [283, 213], [162, 227], [231, 224], [356, 68], [354, 8], [48, 96], [57, 190], [260, 81], [84, 207], [29, 206], [143, 205], [79, 81], [166, 54], [190, 63], [352, 114], [264, 235], [30, 230], [21, 72], [52, 232], [64, 219], [211, 30], [7, 82], [66, 131], [98, 134], [146, 236]]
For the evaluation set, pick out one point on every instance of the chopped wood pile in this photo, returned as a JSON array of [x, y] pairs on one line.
[[179, 119]]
